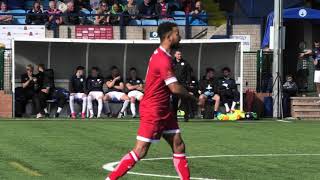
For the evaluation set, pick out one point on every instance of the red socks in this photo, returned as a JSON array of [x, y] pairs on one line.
[[181, 164], [126, 163]]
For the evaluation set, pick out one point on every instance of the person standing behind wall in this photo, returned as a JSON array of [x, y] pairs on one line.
[[183, 72], [315, 53]]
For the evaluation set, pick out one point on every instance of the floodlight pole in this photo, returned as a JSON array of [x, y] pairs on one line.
[[277, 59]]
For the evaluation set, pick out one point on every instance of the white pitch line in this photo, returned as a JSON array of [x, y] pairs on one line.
[[111, 166], [280, 120]]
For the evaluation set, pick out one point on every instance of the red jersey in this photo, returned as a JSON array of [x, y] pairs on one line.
[[156, 100]]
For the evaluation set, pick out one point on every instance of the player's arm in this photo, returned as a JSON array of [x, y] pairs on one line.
[[120, 87], [177, 89], [308, 52], [130, 87], [110, 83], [24, 82]]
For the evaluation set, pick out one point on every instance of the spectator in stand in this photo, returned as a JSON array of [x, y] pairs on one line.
[[228, 90], [163, 9], [95, 91], [208, 89], [104, 13], [185, 5], [54, 15], [5, 19], [15, 4], [147, 10], [115, 13], [35, 15], [77, 92], [290, 89], [109, 2], [135, 88], [199, 13], [131, 9], [28, 81], [71, 16], [61, 6], [45, 86], [116, 93], [81, 5]]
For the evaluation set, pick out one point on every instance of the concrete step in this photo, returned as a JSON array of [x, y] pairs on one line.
[[306, 110], [306, 107], [305, 103]]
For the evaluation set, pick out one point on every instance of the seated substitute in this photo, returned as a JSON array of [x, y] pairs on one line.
[[208, 89], [94, 87], [115, 90], [28, 90], [77, 89], [228, 90], [135, 88], [290, 89]]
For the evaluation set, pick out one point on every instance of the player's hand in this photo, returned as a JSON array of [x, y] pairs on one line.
[[117, 78], [45, 90], [301, 55]]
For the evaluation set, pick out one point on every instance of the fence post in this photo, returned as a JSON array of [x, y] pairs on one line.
[[2, 49]]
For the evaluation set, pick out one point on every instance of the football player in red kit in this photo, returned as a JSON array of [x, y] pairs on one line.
[[157, 117]]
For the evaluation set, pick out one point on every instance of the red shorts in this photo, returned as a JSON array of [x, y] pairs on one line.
[[151, 130]]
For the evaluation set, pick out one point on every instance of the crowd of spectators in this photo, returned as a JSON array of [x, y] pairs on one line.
[[40, 88], [107, 12]]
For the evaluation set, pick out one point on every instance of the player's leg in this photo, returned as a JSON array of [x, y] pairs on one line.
[[125, 98], [202, 101], [180, 161], [129, 160], [132, 97], [99, 98], [236, 98], [61, 101], [90, 106], [84, 105], [71, 104], [216, 98]]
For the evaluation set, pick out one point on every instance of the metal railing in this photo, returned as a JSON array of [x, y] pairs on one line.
[[186, 20]]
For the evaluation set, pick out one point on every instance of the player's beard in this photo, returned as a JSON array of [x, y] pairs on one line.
[[175, 46]]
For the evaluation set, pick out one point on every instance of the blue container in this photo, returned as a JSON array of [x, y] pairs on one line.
[[268, 108]]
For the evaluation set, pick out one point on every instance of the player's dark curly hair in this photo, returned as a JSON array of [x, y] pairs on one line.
[[226, 69], [79, 68], [164, 29]]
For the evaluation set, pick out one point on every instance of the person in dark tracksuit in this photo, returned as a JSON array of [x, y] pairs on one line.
[[40, 98], [26, 92], [228, 90], [183, 72], [94, 88], [77, 89]]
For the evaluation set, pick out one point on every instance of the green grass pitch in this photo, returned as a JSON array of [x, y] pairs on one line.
[[76, 150]]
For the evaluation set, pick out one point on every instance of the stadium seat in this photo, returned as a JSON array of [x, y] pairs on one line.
[[149, 22], [135, 22], [179, 15], [19, 19], [180, 22], [197, 22], [165, 20]]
